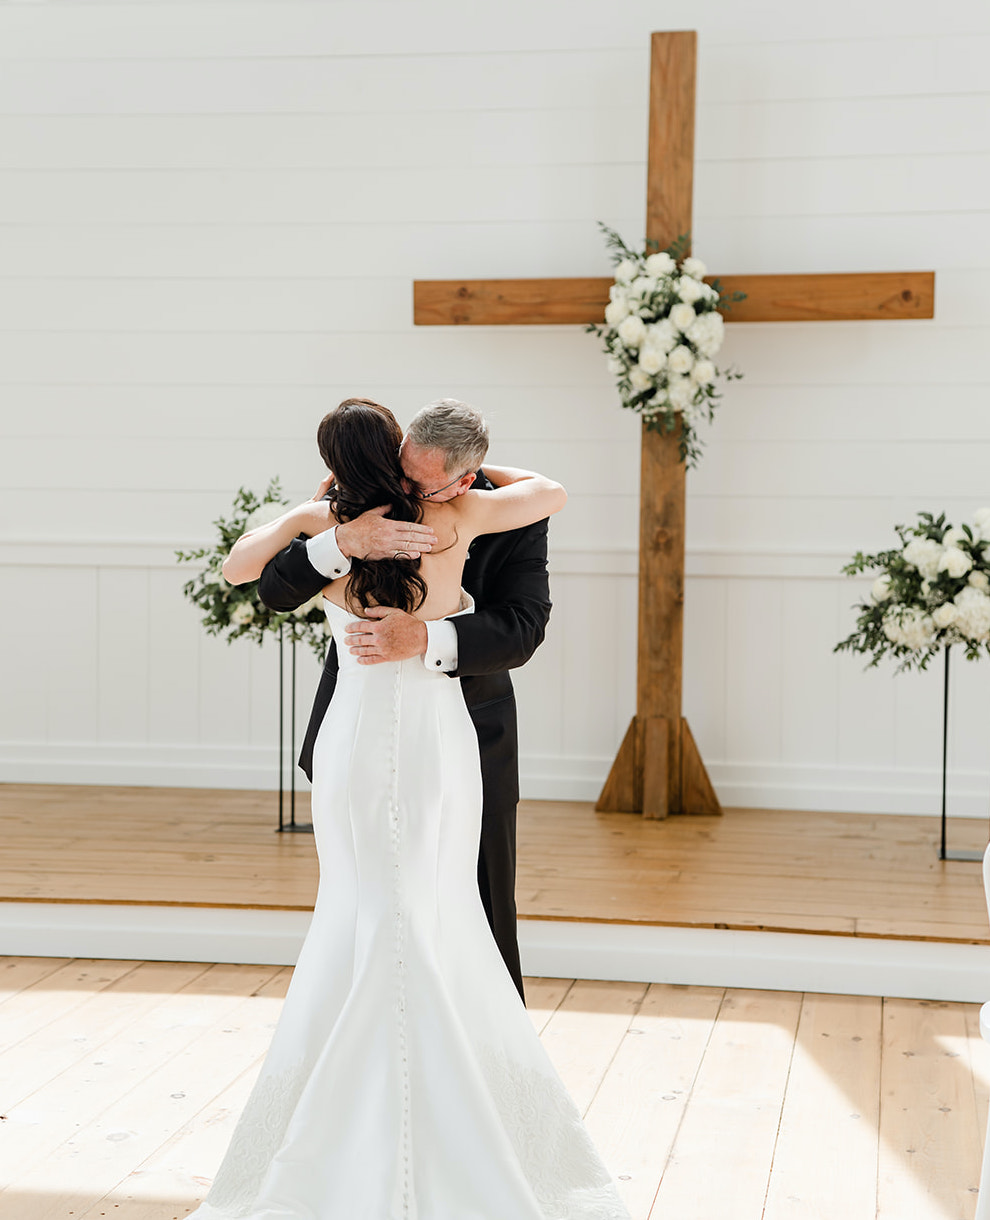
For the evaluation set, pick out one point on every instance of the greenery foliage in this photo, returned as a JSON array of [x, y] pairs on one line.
[[236, 611]]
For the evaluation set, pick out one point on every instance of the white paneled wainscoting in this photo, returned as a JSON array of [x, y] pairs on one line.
[[113, 681]]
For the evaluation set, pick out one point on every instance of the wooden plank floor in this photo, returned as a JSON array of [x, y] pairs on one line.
[[844, 874], [120, 1082]]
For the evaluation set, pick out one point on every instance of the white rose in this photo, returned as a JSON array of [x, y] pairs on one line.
[[680, 391], [651, 361], [615, 311], [242, 613], [615, 366], [632, 331], [660, 264], [923, 554], [881, 588], [680, 359], [911, 627], [643, 286], [662, 335], [974, 613], [639, 380], [625, 271], [979, 580], [952, 537], [981, 518], [955, 561], [689, 290], [695, 267], [922, 631], [892, 627], [703, 372], [683, 316], [945, 615], [706, 332]]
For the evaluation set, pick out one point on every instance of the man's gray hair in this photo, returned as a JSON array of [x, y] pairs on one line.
[[454, 427]]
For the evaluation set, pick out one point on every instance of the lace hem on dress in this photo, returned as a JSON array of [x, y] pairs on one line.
[[555, 1152], [257, 1137]]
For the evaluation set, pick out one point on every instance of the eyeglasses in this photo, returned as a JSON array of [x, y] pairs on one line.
[[426, 495]]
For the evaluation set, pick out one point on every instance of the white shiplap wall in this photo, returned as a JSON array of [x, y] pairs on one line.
[[210, 217]]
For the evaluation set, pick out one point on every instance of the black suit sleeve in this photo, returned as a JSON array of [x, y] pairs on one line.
[[289, 579], [509, 624]]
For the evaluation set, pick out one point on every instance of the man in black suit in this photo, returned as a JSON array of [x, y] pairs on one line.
[[506, 574]]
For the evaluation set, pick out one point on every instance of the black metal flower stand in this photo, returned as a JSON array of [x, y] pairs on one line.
[[944, 854], [292, 826]]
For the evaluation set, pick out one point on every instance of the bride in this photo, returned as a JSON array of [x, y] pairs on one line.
[[405, 1080]]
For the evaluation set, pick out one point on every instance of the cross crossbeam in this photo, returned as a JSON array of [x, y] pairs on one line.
[[854, 296]]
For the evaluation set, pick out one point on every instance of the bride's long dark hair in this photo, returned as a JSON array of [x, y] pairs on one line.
[[359, 441]]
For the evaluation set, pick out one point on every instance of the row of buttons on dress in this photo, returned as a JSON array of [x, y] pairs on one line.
[[399, 929]]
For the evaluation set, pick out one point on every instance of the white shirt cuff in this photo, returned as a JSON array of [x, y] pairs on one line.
[[441, 646], [326, 556]]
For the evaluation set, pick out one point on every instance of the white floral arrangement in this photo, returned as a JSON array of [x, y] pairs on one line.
[[930, 593], [661, 334], [237, 610]]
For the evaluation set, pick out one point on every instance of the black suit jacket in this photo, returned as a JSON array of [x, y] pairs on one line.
[[505, 573]]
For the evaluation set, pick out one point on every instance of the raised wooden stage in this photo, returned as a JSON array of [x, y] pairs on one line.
[[756, 870]]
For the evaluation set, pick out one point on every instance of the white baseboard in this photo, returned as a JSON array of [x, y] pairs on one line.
[[542, 777], [776, 786], [155, 766], [910, 790], [771, 961]]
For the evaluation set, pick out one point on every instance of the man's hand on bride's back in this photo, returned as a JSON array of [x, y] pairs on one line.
[[375, 536], [387, 634]]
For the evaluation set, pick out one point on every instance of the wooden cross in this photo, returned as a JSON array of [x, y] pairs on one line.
[[658, 769]]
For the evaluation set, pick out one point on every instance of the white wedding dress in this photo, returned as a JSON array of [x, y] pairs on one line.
[[404, 1080]]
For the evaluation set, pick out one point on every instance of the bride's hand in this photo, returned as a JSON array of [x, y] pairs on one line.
[[323, 488]]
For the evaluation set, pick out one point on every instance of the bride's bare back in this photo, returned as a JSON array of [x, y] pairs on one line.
[[457, 522]]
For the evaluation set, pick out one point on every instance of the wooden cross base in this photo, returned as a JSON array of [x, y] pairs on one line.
[[658, 771]]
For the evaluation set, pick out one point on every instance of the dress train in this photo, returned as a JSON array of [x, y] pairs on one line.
[[404, 1080]]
